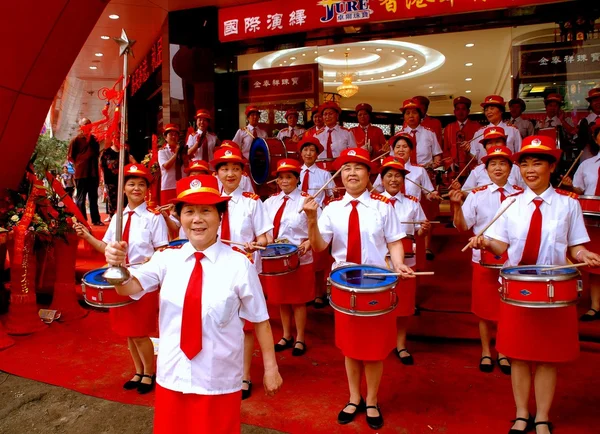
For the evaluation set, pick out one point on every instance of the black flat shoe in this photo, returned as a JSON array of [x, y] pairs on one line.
[[375, 422], [132, 384], [589, 318], [98, 224], [344, 418], [144, 388], [246, 393], [320, 303], [484, 367], [550, 426], [407, 360], [528, 427], [299, 351], [289, 343], [505, 369], [429, 255]]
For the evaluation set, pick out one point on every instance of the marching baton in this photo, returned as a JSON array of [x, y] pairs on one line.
[[512, 200], [419, 185], [416, 273], [562, 267], [468, 189], [570, 168], [325, 185], [242, 244], [420, 222], [464, 168]]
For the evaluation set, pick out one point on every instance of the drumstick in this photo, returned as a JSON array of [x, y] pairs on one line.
[[242, 244], [512, 200], [570, 168], [419, 222], [465, 168], [562, 267], [419, 185], [381, 156], [325, 185], [391, 273], [330, 188], [272, 181], [469, 189]]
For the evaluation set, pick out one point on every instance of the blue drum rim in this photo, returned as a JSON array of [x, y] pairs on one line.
[[98, 285], [557, 275], [293, 250], [178, 242], [264, 176], [386, 282]]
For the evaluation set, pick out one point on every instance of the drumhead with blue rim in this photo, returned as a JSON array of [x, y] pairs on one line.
[[260, 161], [178, 242], [353, 276], [273, 250], [95, 278], [536, 270]]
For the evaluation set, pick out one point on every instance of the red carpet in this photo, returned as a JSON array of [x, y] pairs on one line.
[[443, 393]]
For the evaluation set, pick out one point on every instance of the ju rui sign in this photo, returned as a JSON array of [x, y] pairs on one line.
[[278, 17]]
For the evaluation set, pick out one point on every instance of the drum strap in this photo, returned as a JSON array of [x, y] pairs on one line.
[[534, 236], [191, 320]]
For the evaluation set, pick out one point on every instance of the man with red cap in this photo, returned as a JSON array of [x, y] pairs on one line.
[[317, 119], [293, 131], [493, 108], [517, 106], [202, 144], [332, 136], [555, 117], [427, 121], [428, 151], [457, 134], [591, 120], [368, 136], [245, 136], [172, 163]]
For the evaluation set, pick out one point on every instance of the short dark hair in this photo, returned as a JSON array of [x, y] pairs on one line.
[[408, 142], [387, 169], [127, 178], [490, 159], [225, 162], [544, 157], [221, 207]]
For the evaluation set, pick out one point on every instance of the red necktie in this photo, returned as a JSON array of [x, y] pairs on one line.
[[125, 236], [393, 202], [534, 236], [502, 195], [191, 320], [225, 231], [597, 192], [204, 145], [413, 154], [278, 215], [305, 181], [329, 150], [354, 253]]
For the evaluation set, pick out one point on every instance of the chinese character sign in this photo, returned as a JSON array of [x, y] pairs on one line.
[[276, 17], [556, 60], [280, 83], [148, 65]]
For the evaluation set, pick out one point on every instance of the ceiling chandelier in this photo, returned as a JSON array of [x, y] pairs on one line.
[[347, 89]]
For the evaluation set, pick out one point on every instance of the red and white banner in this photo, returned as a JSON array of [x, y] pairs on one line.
[[259, 20]]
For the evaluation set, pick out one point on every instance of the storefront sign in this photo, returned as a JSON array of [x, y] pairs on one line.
[[275, 84], [149, 64], [278, 17], [555, 60]]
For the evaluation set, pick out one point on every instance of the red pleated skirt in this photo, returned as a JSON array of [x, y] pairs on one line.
[[406, 290], [365, 338], [136, 319], [540, 335], [297, 287], [485, 298], [322, 260], [189, 413]]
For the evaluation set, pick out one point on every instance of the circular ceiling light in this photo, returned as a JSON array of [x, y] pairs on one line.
[[348, 49], [98, 54], [468, 79], [331, 50], [93, 67], [358, 61], [113, 17], [469, 64], [467, 91], [378, 49], [430, 87], [104, 37], [469, 45], [292, 58], [410, 56]]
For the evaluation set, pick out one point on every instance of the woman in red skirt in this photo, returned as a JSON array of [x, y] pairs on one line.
[[479, 208], [362, 229], [541, 227], [145, 232], [207, 291], [292, 290]]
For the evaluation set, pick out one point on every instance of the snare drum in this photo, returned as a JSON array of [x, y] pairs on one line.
[[279, 259], [489, 260], [532, 286], [365, 327], [98, 292], [590, 206], [538, 317]]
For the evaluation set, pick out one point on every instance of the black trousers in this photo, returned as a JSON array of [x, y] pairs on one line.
[[88, 187]]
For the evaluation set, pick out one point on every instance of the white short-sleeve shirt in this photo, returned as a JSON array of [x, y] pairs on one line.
[[231, 293], [481, 206], [378, 227], [562, 226], [427, 145], [147, 232], [513, 140], [245, 136], [417, 174], [293, 225], [317, 177], [168, 179], [479, 176], [290, 132], [245, 184], [211, 142], [341, 138], [247, 217], [586, 176]]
